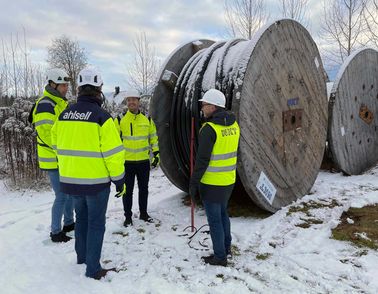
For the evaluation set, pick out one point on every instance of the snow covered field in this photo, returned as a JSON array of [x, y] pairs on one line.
[[276, 256]]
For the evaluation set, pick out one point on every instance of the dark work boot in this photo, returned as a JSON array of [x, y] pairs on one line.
[[212, 260], [60, 237], [69, 228], [102, 273], [228, 252], [145, 217], [128, 222], [206, 258]]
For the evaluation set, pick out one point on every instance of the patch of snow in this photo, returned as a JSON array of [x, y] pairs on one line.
[[362, 235], [155, 258]]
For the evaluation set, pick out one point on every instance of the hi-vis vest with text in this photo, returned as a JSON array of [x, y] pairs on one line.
[[47, 109], [88, 147], [222, 166], [138, 135]]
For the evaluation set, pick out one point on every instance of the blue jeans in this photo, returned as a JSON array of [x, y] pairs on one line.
[[220, 228], [62, 205], [90, 228]]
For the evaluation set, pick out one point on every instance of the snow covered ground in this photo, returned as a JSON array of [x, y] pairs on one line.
[[276, 256]]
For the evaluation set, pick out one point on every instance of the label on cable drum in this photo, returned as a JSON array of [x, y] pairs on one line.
[[267, 189], [342, 131]]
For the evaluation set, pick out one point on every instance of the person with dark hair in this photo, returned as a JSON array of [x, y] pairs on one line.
[[90, 155], [43, 115], [139, 138], [215, 171]]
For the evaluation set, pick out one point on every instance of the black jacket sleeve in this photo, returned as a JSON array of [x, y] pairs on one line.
[[206, 141]]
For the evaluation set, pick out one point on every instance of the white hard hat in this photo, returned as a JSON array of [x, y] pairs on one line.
[[132, 93], [214, 97], [58, 76], [89, 76]]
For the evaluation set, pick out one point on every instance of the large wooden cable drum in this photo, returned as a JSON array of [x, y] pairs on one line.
[[353, 110], [275, 84]]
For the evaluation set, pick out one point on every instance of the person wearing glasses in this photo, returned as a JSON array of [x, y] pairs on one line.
[[215, 171], [43, 115]]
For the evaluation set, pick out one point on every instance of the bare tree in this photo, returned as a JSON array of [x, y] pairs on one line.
[[343, 25], [245, 17], [5, 76], [26, 70], [19, 76], [371, 21], [143, 69], [295, 9], [36, 80], [14, 46], [67, 54]]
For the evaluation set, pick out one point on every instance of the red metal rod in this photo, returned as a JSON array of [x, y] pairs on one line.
[[191, 170]]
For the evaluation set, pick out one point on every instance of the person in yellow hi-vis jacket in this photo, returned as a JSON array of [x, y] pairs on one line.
[[90, 157], [139, 138], [215, 171], [43, 115]]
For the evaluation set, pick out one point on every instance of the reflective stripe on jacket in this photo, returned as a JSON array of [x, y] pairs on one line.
[[46, 111], [88, 147], [221, 170], [138, 135]]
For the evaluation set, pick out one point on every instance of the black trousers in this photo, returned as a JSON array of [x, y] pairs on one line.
[[142, 172]]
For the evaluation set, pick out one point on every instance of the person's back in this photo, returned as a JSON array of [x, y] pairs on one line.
[[90, 155], [88, 146]]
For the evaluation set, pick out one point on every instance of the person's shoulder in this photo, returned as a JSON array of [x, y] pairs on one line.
[[45, 104], [103, 114], [207, 128]]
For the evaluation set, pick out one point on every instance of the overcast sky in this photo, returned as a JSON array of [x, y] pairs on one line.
[[106, 29]]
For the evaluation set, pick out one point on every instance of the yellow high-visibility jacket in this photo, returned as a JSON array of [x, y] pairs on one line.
[[138, 135], [221, 170], [89, 150], [46, 111]]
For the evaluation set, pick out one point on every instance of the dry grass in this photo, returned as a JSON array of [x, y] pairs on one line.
[[364, 231], [305, 207]]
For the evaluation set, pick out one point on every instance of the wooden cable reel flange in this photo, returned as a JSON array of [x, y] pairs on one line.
[[353, 106], [160, 107], [275, 84]]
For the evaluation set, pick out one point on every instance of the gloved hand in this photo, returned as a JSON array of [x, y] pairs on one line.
[[193, 191], [121, 190], [156, 159]]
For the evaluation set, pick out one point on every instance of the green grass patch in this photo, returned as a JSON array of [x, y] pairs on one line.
[[141, 230], [363, 232], [235, 251], [263, 256], [123, 234], [308, 222], [305, 207]]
